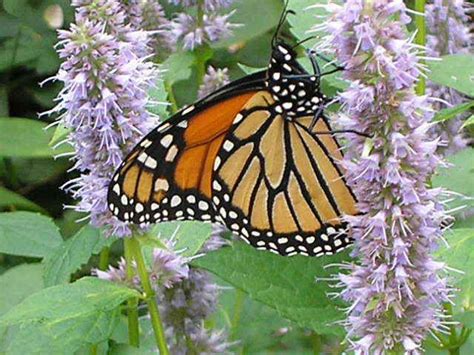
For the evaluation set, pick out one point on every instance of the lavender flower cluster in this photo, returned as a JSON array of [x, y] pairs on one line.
[[106, 77], [186, 298], [396, 291], [207, 27], [448, 33]]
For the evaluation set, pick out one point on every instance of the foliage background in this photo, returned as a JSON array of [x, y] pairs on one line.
[[271, 305]]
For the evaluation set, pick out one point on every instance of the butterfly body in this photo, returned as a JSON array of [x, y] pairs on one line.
[[248, 157]]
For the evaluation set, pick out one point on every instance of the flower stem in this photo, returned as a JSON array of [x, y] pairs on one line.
[[132, 303], [149, 296], [420, 39]]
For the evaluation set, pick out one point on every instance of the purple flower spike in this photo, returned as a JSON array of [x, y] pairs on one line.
[[106, 78], [396, 290]]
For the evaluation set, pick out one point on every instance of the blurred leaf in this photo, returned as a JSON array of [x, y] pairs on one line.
[[466, 318], [454, 178], [460, 255], [249, 70], [38, 171], [178, 67], [452, 112], [255, 17], [60, 134], [455, 71], [22, 137], [159, 97], [285, 284], [468, 122], [306, 18], [189, 236], [61, 319], [18, 283], [9, 198], [45, 94], [8, 26], [4, 109], [28, 234], [70, 255]]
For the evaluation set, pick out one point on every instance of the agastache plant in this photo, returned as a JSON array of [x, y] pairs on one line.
[[448, 33], [207, 27], [103, 102], [395, 290]]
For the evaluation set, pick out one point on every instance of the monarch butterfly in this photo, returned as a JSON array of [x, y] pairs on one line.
[[257, 156]]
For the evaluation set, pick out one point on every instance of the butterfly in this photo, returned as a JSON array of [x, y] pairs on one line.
[[257, 155]]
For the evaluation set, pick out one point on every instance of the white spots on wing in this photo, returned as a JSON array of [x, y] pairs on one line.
[[228, 145], [217, 163], [163, 127], [187, 110], [282, 240], [203, 205], [233, 214], [172, 152], [324, 237], [161, 184], [146, 143], [166, 140], [288, 57], [124, 200], [301, 93], [310, 240], [276, 88], [151, 163], [191, 199], [278, 109], [238, 118], [183, 124], [216, 186], [287, 67], [276, 76], [175, 201], [154, 206], [287, 105], [142, 157], [116, 189], [337, 242], [139, 207]]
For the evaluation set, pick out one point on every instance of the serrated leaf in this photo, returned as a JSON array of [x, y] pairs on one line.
[[189, 236], [460, 256], [454, 178], [18, 283], [9, 198], [285, 284], [455, 71], [28, 234], [25, 138], [452, 112], [63, 318], [70, 255]]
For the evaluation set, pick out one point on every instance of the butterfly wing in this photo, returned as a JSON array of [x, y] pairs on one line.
[[278, 185], [167, 175]]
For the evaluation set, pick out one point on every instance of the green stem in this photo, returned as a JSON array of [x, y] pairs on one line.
[[94, 349], [149, 296], [200, 51], [132, 303], [420, 39], [316, 343], [104, 258], [171, 97]]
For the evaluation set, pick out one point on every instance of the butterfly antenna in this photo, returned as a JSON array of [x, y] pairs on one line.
[[281, 22], [303, 41]]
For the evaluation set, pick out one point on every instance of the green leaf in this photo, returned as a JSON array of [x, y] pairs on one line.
[[253, 23], [178, 67], [70, 255], [60, 133], [18, 283], [285, 284], [466, 318], [455, 71], [306, 18], [61, 319], [460, 255], [468, 122], [454, 178], [452, 112], [28, 234], [159, 96], [189, 236], [9, 198], [22, 137]]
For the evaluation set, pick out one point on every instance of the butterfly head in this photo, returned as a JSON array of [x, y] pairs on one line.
[[295, 91]]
